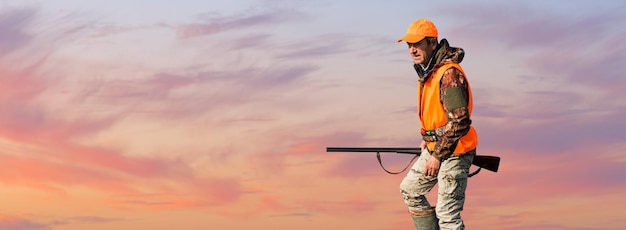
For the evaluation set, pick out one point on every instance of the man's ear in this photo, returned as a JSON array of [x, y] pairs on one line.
[[433, 46]]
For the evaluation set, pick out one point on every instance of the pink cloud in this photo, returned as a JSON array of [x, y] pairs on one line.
[[116, 175], [273, 203], [57, 161], [62, 163], [184, 195]]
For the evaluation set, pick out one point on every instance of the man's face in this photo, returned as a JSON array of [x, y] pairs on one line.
[[421, 51]]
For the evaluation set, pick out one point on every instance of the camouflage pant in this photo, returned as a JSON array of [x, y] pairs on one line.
[[452, 180]]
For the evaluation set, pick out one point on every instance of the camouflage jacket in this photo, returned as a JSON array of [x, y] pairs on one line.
[[458, 123]]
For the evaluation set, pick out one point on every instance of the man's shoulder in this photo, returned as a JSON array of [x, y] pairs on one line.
[[447, 66], [453, 76]]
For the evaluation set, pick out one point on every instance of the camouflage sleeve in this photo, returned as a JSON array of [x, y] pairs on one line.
[[454, 97]]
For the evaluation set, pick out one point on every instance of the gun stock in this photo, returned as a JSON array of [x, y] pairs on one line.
[[491, 163]]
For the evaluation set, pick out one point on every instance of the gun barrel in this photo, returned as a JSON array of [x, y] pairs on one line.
[[490, 163], [375, 150]]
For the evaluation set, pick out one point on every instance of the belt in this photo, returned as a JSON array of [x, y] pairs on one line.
[[433, 132]]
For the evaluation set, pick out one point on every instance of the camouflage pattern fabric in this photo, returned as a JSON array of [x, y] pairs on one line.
[[454, 98]]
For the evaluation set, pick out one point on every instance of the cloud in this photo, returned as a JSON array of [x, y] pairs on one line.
[[558, 91], [114, 175], [90, 220], [46, 151], [94, 219], [12, 23], [15, 223], [126, 181], [359, 165], [245, 20], [175, 96], [521, 25], [351, 207], [324, 45], [242, 123], [578, 49], [564, 130]]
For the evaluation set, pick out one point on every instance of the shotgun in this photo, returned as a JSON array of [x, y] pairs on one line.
[[491, 163]]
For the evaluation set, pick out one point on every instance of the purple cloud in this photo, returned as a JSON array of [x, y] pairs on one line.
[[572, 81], [250, 19], [94, 219], [12, 24], [316, 47], [583, 48], [17, 223]]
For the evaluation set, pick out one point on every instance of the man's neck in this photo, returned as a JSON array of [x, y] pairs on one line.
[[425, 67]]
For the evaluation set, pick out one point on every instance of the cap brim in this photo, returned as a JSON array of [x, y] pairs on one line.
[[411, 38]]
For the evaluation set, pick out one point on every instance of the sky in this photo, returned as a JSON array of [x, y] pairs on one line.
[[217, 114]]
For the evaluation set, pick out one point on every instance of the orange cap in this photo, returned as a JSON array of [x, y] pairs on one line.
[[418, 30]]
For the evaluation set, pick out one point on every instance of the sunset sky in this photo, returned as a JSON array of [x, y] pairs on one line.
[[215, 114]]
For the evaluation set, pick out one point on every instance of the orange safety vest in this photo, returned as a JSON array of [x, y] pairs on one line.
[[432, 114]]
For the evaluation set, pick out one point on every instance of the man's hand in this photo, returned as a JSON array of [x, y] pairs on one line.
[[432, 166]]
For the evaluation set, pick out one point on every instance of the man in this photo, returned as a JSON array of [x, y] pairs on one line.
[[449, 141]]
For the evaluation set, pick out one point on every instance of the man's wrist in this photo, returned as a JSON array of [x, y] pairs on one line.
[[436, 156]]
